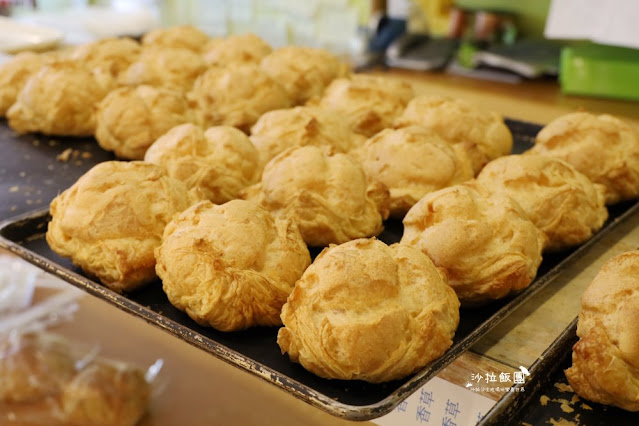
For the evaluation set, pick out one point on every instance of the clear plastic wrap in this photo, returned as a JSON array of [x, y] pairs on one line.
[[47, 379]]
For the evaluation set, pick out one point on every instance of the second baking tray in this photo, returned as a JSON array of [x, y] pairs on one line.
[[255, 350]]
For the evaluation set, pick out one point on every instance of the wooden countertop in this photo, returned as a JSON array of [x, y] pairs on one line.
[[200, 389]]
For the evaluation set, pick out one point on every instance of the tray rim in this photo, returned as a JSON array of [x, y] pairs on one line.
[[507, 408], [288, 384]]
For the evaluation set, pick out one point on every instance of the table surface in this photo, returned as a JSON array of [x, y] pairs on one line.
[[201, 389]]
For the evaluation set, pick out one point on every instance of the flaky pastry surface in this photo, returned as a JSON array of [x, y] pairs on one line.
[[230, 266], [236, 95], [482, 134], [275, 131], [562, 202], [60, 99], [369, 103], [367, 311], [602, 147], [110, 221], [483, 241], [130, 119], [219, 162], [412, 162], [605, 360], [328, 196], [304, 72]]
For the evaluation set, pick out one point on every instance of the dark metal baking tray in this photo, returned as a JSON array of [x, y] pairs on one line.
[[256, 351], [547, 398]]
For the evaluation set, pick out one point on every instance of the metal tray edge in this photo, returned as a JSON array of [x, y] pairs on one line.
[[505, 410]]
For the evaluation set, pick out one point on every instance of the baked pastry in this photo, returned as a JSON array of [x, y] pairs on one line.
[[230, 266], [562, 202], [113, 55], [219, 162], [33, 367], [482, 134], [304, 72], [412, 162], [369, 103], [367, 311], [605, 360], [59, 99], [106, 394], [275, 131], [130, 119], [13, 76], [184, 37], [602, 147], [110, 221], [326, 195], [172, 68], [235, 50], [483, 241], [236, 96]]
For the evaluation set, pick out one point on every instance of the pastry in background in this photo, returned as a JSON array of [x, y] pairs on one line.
[[106, 394], [482, 134], [485, 243], [60, 99], [33, 367], [14, 75], [304, 72], [412, 162], [562, 202], [235, 96], [219, 162], [110, 221], [130, 119], [275, 131], [369, 103], [114, 55], [235, 50], [328, 196], [367, 311], [172, 68], [602, 147], [605, 360], [230, 266], [185, 37]]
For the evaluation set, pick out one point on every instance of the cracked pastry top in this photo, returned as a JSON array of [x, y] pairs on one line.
[[482, 134], [230, 266], [602, 147], [110, 221], [328, 196], [605, 360], [485, 242], [559, 200], [367, 311], [219, 162]]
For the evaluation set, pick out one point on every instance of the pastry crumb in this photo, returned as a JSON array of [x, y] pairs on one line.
[[64, 155], [544, 400], [87, 154], [566, 408], [586, 406], [561, 422], [562, 387], [14, 189]]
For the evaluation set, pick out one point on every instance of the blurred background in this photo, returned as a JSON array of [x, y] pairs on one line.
[[591, 50]]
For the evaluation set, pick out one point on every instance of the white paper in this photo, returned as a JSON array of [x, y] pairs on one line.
[[613, 22], [439, 402]]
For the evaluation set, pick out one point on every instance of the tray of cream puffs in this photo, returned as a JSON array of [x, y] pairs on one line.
[[332, 233]]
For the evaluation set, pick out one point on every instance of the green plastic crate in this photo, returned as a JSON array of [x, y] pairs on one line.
[[597, 70]]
